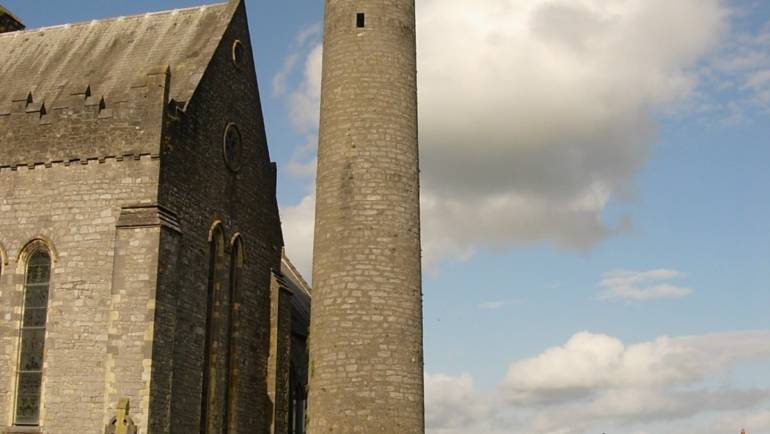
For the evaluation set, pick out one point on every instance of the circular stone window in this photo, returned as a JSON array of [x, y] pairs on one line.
[[232, 149], [238, 53]]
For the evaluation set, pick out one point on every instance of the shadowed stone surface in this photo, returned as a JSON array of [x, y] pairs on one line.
[[9, 22]]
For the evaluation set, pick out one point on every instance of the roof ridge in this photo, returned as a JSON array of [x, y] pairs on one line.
[[121, 17]]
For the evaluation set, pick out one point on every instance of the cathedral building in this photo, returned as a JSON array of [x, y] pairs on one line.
[[143, 286]]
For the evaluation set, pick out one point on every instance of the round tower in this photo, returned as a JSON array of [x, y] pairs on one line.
[[366, 373]]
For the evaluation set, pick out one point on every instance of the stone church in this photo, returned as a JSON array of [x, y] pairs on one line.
[[143, 286]]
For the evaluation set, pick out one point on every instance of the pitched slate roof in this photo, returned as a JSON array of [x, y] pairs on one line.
[[300, 315], [108, 56], [300, 318]]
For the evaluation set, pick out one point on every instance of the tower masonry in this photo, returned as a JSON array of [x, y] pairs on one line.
[[366, 373]]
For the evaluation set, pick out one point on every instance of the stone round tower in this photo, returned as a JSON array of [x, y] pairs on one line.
[[366, 373]]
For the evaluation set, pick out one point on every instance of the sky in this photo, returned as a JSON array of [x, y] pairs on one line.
[[595, 200]]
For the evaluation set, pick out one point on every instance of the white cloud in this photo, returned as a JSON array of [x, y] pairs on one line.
[[736, 80], [642, 285], [546, 115], [298, 227], [535, 114], [497, 304], [588, 362], [597, 383], [451, 402], [307, 36], [304, 101]]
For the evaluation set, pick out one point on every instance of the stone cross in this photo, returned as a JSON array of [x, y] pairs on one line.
[[121, 423]]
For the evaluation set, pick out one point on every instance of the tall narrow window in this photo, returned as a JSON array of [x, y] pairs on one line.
[[233, 335], [298, 407], [211, 413], [360, 20], [29, 378]]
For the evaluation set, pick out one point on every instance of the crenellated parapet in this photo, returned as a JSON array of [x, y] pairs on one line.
[[75, 124], [101, 88], [109, 159]]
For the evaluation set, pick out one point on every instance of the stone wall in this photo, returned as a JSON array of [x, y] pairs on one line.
[[366, 356], [82, 125], [75, 209], [200, 188], [128, 308]]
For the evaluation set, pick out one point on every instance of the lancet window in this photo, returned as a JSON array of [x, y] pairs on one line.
[[233, 335], [211, 402], [29, 374]]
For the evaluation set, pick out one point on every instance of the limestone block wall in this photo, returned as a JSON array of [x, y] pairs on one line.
[[75, 208], [127, 192], [366, 372], [138, 353], [199, 187]]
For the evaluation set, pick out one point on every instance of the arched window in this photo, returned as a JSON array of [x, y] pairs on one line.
[[298, 403], [29, 374], [233, 334], [211, 410]]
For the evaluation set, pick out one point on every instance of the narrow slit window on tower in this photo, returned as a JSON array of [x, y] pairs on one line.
[[360, 20]]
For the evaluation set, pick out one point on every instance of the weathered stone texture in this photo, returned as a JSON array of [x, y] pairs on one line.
[[128, 307], [200, 188], [366, 328], [75, 208], [97, 70]]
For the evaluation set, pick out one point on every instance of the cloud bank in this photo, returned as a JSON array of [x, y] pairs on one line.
[[597, 383], [534, 114]]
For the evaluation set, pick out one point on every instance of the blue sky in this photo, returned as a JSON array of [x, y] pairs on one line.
[[596, 166]]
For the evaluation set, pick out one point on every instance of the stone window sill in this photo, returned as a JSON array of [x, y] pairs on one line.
[[23, 430]]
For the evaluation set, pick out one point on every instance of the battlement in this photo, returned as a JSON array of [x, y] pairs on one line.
[[75, 123], [76, 104], [78, 99], [106, 84], [109, 159]]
